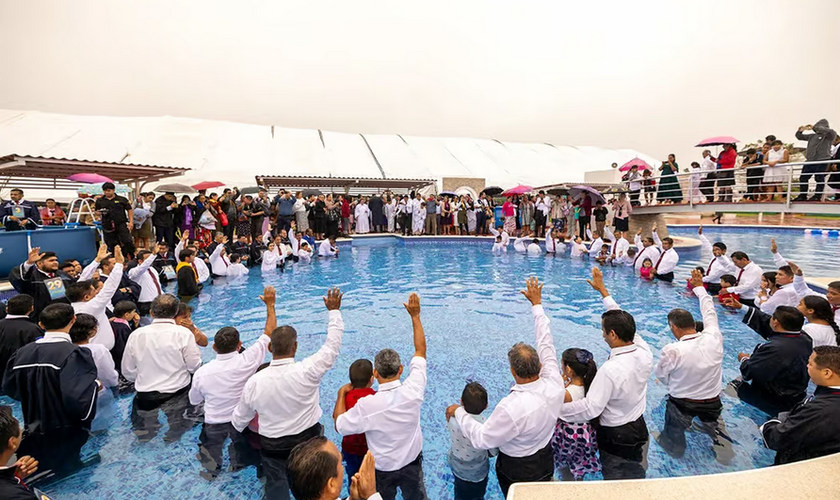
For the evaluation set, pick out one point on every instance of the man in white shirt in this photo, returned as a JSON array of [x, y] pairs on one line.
[[219, 384], [236, 267], [617, 396], [160, 359], [328, 248], [147, 278], [646, 249], [542, 209], [748, 279], [316, 472], [219, 261], [286, 397], [85, 299], [832, 294], [619, 247], [523, 422], [390, 419], [718, 265], [707, 175], [785, 294], [198, 263], [692, 370], [663, 267]]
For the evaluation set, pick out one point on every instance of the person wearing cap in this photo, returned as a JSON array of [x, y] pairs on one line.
[[117, 219]]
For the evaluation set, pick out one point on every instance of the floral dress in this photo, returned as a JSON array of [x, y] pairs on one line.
[[574, 445]]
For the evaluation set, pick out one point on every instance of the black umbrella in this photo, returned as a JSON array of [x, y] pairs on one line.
[[492, 190], [250, 190], [311, 192], [451, 194], [558, 191]]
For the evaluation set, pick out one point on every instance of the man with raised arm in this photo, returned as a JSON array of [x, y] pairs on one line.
[[219, 384], [617, 396], [523, 422], [785, 294], [286, 397], [691, 367], [748, 278], [719, 264], [645, 249], [85, 298], [663, 267], [40, 278], [832, 295], [390, 419]]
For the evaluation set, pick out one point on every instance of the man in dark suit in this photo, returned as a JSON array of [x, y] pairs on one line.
[[40, 278], [17, 329], [164, 219], [18, 213], [377, 216]]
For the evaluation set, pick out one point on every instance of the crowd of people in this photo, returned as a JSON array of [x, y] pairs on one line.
[[765, 173], [74, 335]]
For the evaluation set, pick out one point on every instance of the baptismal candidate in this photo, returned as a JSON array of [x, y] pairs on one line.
[[328, 248], [692, 370], [810, 429], [390, 419], [775, 375], [748, 279], [832, 295], [618, 393], [718, 265], [147, 278], [663, 267], [785, 294], [286, 397], [85, 298], [523, 422], [219, 384], [40, 278], [645, 249]]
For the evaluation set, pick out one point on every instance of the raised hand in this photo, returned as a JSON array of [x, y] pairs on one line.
[[654, 227], [773, 247], [597, 281], [700, 229], [119, 258], [533, 291], [639, 232], [269, 296], [696, 278], [101, 253], [35, 255], [795, 268], [185, 236], [333, 299], [413, 305]]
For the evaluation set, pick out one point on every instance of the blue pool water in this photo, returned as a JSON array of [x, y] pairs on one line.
[[472, 313]]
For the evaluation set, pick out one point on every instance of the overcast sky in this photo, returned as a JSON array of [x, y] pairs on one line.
[[655, 76]]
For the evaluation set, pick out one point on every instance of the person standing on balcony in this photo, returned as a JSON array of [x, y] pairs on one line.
[[669, 184], [819, 149], [774, 177], [726, 173], [755, 173]]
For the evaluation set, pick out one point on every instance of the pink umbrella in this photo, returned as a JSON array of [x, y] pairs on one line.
[[635, 162], [717, 141], [201, 186], [520, 189], [88, 178]]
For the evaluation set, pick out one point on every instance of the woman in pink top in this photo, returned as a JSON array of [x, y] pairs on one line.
[[509, 213], [726, 173]]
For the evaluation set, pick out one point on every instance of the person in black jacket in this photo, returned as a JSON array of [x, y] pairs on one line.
[[40, 278], [775, 375], [188, 286], [164, 219], [810, 429], [165, 264], [55, 381], [16, 329], [17, 213], [11, 487]]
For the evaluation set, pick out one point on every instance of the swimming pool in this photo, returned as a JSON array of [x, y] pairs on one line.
[[472, 313]]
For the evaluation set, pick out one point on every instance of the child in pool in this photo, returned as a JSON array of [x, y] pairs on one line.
[[727, 280], [603, 255], [574, 445], [646, 272], [688, 285]]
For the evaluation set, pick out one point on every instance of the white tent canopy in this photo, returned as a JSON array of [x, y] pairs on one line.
[[234, 153]]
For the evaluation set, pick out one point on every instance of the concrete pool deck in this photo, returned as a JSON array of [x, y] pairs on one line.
[[814, 479]]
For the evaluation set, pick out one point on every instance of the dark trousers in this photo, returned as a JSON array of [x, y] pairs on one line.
[[211, 441], [57, 451], [230, 228], [634, 198], [165, 235], [818, 173], [669, 277], [707, 186], [407, 224], [256, 227], [275, 457], [480, 222], [119, 236], [465, 490], [583, 222], [145, 409], [284, 222], [747, 302], [771, 404], [754, 176], [679, 413], [408, 479], [623, 450], [533, 468], [352, 464]]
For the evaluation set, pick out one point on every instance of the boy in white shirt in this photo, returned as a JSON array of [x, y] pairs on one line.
[[81, 332], [419, 218], [236, 267]]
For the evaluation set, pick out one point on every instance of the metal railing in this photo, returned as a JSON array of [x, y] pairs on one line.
[[784, 175]]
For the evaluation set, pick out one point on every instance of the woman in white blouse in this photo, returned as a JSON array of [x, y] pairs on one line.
[[821, 326]]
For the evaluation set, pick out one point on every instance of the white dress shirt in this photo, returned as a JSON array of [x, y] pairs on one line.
[[706, 166], [160, 357], [236, 269], [220, 382], [105, 371], [718, 266], [692, 366], [803, 290], [643, 252], [595, 247], [821, 334], [783, 296], [619, 391], [147, 278], [219, 263], [534, 249], [578, 249], [87, 272], [749, 281], [520, 245], [286, 394], [325, 249], [499, 248], [390, 419], [668, 259], [523, 422], [620, 248], [98, 304], [505, 236]]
